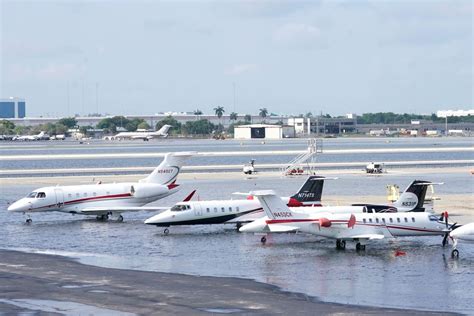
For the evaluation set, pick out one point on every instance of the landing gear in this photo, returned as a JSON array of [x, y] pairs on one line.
[[340, 244], [102, 217], [120, 218], [263, 239], [455, 253], [29, 220], [360, 247], [237, 226], [166, 231]]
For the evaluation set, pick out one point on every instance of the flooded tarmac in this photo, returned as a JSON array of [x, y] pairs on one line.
[[425, 278]]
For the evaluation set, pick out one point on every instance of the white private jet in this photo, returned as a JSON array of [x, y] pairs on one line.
[[40, 136], [463, 233], [103, 200], [411, 200], [232, 211], [359, 227], [145, 135]]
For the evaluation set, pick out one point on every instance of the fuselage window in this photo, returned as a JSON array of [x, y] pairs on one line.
[[108, 193], [370, 220], [237, 209], [364, 220], [215, 209], [94, 194], [85, 193], [223, 209], [413, 219], [77, 194], [230, 209], [398, 219], [69, 195], [377, 220], [406, 220], [391, 220], [208, 210], [383, 220]]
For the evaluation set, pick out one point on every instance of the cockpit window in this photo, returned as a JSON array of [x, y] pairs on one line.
[[41, 195], [433, 218], [32, 195], [180, 207]]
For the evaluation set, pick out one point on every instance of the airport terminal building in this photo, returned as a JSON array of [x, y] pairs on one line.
[[12, 108]]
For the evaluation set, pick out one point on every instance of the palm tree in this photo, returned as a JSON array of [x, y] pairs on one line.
[[219, 111], [233, 116], [263, 113], [248, 118]]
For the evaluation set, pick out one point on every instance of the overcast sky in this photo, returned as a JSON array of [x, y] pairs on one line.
[[292, 57]]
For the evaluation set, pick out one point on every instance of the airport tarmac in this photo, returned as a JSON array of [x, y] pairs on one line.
[[426, 278], [54, 285]]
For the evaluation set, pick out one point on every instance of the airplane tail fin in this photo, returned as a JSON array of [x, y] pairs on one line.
[[168, 170], [164, 130], [413, 198], [272, 204], [309, 193]]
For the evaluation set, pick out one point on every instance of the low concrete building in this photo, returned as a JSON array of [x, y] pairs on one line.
[[265, 131]]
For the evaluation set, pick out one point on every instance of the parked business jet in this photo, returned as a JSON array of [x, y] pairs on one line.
[[233, 211], [103, 200], [40, 136], [162, 132], [411, 200], [359, 227], [463, 233]]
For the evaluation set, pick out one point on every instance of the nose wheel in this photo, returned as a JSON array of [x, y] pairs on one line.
[[360, 247], [263, 240], [29, 221], [120, 218], [340, 244], [166, 231]]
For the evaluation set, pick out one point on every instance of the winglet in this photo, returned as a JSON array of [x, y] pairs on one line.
[[189, 197], [352, 221]]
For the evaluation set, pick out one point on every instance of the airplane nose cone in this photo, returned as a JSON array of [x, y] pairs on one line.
[[18, 206], [158, 219]]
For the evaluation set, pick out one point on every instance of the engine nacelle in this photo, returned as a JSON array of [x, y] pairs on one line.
[[148, 190], [324, 222]]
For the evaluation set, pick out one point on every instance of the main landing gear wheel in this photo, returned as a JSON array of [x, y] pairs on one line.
[[340, 244], [120, 218], [263, 239], [455, 253], [102, 217], [360, 247], [166, 231], [29, 220]]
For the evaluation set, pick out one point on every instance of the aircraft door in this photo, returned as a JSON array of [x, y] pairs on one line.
[[59, 197], [197, 210]]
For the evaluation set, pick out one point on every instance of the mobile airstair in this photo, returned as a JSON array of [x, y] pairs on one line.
[[304, 163]]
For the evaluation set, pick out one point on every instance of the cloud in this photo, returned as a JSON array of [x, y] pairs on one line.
[[241, 68], [297, 33]]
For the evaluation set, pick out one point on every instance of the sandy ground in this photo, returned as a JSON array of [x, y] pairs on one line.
[[56, 285]]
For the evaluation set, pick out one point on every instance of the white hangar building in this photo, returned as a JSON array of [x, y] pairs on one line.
[[266, 131]]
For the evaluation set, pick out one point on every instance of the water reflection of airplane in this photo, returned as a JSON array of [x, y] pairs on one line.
[[107, 199], [361, 228], [463, 233]]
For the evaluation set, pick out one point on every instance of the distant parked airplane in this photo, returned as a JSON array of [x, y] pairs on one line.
[[41, 135], [162, 132], [106, 199]]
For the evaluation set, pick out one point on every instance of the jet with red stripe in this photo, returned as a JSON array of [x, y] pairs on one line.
[[104, 199], [234, 211], [358, 227]]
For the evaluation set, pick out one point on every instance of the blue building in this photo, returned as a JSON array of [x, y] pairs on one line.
[[12, 108]]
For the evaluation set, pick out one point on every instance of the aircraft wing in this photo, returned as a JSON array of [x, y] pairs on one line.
[[247, 218], [121, 209], [275, 228]]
